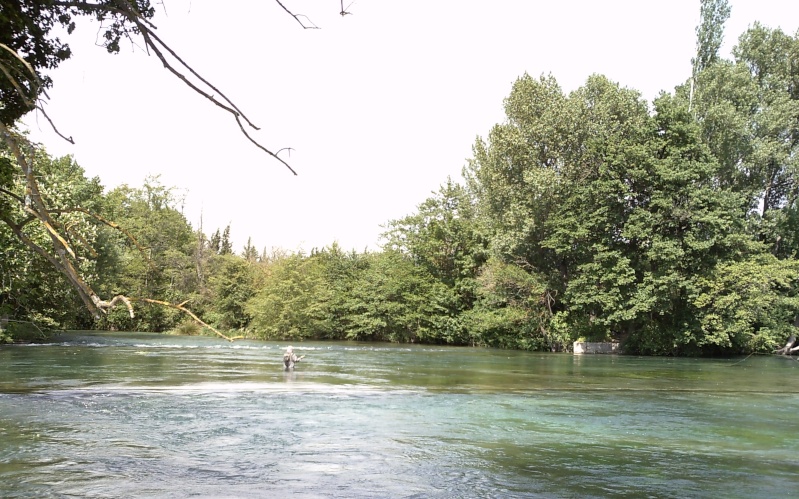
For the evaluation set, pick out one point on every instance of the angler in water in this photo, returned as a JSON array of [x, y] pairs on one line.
[[290, 358]]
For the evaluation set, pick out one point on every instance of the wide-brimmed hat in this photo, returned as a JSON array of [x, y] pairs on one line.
[[289, 349]]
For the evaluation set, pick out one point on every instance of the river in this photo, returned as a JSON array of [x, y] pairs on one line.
[[101, 415]]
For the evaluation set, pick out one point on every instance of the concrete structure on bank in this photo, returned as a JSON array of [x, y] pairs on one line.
[[596, 347]]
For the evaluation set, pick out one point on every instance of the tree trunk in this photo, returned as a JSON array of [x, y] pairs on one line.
[[789, 348]]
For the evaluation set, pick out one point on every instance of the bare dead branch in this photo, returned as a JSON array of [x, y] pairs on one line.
[[149, 37], [153, 43], [44, 113], [111, 224], [107, 305], [190, 314], [53, 233], [203, 80], [298, 16], [345, 11], [259, 146]]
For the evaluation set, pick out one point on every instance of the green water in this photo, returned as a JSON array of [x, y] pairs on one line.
[[110, 415]]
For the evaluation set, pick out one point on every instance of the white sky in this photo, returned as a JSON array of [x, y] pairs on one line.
[[380, 106]]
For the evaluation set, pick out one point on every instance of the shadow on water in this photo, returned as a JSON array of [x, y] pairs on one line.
[[143, 415]]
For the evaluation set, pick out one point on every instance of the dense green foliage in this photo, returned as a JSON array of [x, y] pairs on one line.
[[29, 288], [671, 226]]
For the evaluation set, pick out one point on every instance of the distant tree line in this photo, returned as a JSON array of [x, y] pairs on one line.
[[672, 227]]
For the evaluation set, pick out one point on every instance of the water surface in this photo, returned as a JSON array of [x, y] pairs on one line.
[[145, 415]]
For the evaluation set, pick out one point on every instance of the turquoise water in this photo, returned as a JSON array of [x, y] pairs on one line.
[[144, 415]]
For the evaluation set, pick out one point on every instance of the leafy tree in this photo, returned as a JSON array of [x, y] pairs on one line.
[[159, 260], [684, 230], [397, 300], [250, 253], [513, 310], [30, 287], [613, 212], [225, 245], [515, 173], [232, 282], [710, 32], [599, 188], [772, 58], [215, 243], [341, 273], [748, 305], [749, 109], [291, 300], [443, 237], [556, 184]]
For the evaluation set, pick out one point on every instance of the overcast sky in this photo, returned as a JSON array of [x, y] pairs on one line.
[[379, 106]]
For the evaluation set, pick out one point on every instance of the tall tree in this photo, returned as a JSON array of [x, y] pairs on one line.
[[443, 237], [710, 32], [615, 213], [773, 60], [748, 109], [709, 37], [157, 261], [685, 229], [215, 244], [225, 245], [250, 253], [232, 283]]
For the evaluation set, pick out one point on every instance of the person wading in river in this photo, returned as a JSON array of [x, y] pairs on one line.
[[290, 358]]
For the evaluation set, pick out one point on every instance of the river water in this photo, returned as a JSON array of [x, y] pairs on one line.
[[145, 415]]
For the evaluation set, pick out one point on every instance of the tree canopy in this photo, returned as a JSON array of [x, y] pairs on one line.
[[670, 226]]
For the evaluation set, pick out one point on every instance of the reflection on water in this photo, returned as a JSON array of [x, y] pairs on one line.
[[143, 415]]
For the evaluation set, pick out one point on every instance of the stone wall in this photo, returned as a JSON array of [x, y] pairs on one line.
[[581, 347]]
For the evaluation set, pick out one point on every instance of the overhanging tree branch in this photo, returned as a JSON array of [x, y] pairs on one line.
[[188, 312], [298, 16], [44, 113], [127, 19], [154, 43]]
